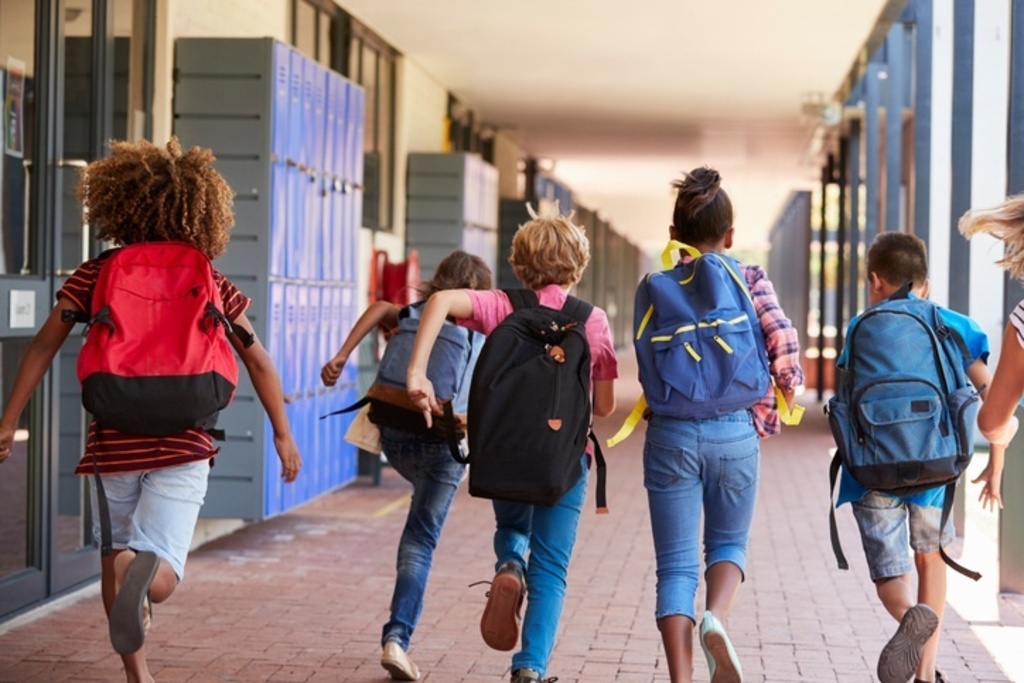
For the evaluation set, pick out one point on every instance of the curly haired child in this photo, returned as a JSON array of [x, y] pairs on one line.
[[154, 485]]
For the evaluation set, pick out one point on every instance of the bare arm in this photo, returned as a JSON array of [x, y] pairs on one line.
[[441, 305], [268, 387], [378, 313], [992, 475], [995, 419], [34, 364], [604, 397]]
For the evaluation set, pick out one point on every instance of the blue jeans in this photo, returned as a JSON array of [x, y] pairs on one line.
[[435, 476], [548, 533], [689, 465]]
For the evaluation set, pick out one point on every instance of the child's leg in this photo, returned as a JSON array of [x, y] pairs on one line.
[[552, 537], [122, 492], [135, 666], [931, 574], [931, 570], [435, 477], [672, 477]]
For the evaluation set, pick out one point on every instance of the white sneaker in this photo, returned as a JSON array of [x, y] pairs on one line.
[[398, 664], [723, 665]]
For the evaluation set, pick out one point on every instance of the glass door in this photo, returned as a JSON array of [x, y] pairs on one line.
[[101, 84], [73, 76]]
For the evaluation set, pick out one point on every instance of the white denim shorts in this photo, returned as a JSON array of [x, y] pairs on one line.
[[154, 510]]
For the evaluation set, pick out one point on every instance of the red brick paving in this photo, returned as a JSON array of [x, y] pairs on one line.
[[302, 597]]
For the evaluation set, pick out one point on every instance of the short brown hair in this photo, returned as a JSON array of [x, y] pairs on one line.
[[458, 270], [899, 258], [145, 193], [549, 250]]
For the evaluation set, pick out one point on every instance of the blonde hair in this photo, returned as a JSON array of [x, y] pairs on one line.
[[549, 250], [1004, 222]]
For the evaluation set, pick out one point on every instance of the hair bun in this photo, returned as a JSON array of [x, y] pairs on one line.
[[698, 187]]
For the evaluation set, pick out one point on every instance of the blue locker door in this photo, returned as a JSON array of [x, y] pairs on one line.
[[281, 97], [279, 196], [275, 341], [295, 113]]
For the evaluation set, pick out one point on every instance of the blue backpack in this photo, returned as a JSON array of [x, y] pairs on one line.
[[449, 369], [699, 342], [903, 413]]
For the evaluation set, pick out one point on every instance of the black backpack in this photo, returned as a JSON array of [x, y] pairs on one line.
[[530, 405]]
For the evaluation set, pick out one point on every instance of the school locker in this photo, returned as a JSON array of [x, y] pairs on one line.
[[289, 140]]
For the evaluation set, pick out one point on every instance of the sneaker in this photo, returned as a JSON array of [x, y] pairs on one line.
[[939, 678], [127, 615], [398, 664], [723, 665], [530, 676], [500, 623], [902, 654]]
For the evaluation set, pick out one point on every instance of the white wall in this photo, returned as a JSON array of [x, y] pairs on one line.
[[941, 150], [421, 105], [988, 158]]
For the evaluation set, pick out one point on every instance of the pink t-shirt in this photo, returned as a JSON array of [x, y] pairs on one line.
[[490, 307]]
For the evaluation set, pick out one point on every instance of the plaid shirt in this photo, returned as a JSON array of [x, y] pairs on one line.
[[783, 349]]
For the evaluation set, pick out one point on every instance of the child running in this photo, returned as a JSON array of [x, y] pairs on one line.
[[154, 486], [709, 467], [532, 543], [901, 534], [423, 460]]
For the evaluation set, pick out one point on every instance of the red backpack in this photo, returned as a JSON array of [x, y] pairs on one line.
[[156, 359]]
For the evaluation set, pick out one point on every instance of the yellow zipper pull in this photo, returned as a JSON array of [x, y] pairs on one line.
[[721, 342], [689, 350]]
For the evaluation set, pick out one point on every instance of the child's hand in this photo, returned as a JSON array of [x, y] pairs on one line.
[[332, 370], [288, 453], [989, 496], [6, 443], [421, 393]]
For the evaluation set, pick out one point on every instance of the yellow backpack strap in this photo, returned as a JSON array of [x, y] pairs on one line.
[[632, 420], [789, 417], [674, 245]]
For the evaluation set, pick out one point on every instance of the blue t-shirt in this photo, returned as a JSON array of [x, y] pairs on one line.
[[977, 347]]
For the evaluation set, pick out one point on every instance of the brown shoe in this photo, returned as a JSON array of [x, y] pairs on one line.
[[500, 623]]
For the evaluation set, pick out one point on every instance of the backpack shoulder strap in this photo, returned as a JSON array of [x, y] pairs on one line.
[[522, 298], [577, 309]]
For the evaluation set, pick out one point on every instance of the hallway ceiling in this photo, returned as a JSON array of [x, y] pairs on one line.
[[618, 99]]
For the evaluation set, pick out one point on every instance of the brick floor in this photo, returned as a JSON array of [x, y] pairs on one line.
[[302, 597]]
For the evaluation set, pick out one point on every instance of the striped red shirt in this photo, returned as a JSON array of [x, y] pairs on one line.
[[118, 452]]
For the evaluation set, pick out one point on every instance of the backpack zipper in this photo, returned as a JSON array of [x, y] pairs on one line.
[[555, 422]]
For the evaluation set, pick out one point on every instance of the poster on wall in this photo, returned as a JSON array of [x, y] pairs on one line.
[[14, 136]]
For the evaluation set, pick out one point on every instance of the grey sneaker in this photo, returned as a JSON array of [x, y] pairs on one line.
[[398, 664], [902, 654]]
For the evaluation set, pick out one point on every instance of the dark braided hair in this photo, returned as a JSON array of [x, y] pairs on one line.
[[703, 212], [145, 193]]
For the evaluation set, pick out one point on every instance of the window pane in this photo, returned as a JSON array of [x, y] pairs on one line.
[[14, 484], [385, 111], [369, 83], [17, 85]]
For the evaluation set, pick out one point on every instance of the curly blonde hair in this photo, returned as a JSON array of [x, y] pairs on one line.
[[549, 250], [145, 193]]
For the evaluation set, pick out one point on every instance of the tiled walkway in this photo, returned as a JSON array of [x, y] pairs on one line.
[[302, 597]]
